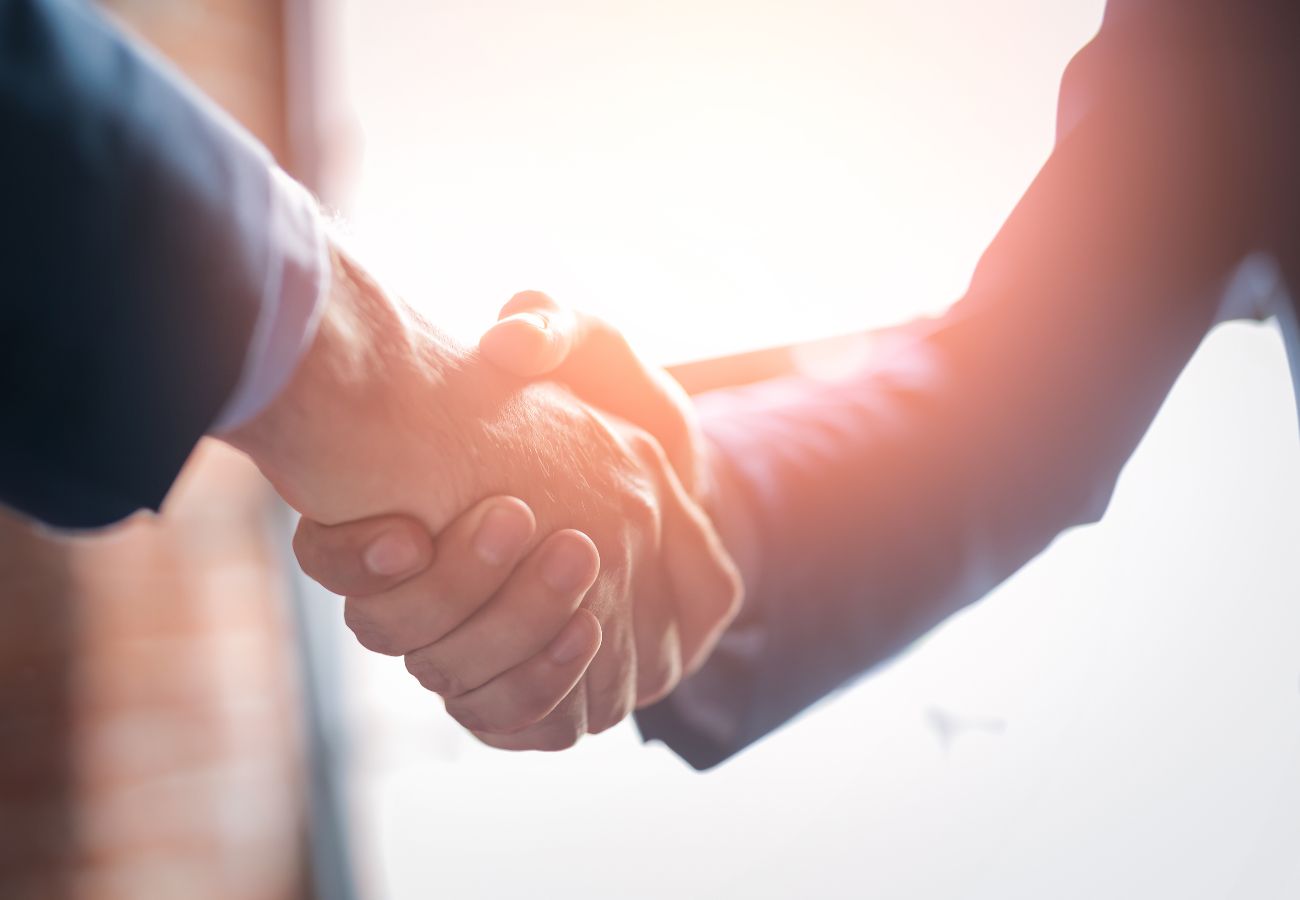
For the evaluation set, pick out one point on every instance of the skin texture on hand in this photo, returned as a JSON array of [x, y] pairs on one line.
[[537, 338], [476, 585], [386, 415], [588, 354]]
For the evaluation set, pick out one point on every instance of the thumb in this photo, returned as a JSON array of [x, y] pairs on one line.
[[364, 557], [533, 338]]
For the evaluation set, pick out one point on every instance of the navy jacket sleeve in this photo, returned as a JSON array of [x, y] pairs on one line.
[[887, 501], [135, 258]]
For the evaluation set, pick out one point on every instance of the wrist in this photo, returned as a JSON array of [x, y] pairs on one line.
[[369, 354]]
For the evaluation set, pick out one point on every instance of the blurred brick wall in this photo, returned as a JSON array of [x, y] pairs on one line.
[[233, 49], [149, 741]]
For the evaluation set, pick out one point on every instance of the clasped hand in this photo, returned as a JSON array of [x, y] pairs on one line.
[[543, 566]]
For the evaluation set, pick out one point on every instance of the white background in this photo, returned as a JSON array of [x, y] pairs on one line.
[[1121, 720]]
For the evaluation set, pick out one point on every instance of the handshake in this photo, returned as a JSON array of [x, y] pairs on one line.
[[543, 553]]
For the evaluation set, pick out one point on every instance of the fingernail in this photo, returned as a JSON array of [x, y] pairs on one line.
[[533, 320], [392, 553], [566, 566], [536, 320], [502, 534], [570, 644]]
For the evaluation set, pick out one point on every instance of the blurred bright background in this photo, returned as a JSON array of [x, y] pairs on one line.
[[1122, 720]]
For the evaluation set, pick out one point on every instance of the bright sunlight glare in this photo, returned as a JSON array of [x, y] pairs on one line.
[[709, 176], [1119, 720]]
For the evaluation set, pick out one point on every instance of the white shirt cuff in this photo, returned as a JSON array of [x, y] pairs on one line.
[[293, 297]]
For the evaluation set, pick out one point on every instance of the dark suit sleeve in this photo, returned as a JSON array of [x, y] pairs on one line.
[[888, 501], [135, 260]]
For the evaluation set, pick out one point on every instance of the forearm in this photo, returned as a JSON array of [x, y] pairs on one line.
[[136, 254], [864, 513], [881, 504]]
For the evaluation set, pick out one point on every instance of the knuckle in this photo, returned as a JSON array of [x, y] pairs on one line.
[[551, 609], [640, 509], [652, 693], [659, 683], [529, 705], [610, 718], [307, 551], [433, 676], [720, 592], [468, 719], [616, 706], [502, 723], [651, 449], [657, 457], [554, 739], [609, 339], [534, 703], [369, 633], [645, 448], [475, 717], [725, 598], [437, 610]]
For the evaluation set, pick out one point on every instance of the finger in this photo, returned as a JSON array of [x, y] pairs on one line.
[[473, 557], [706, 586], [611, 681], [364, 557], [592, 357], [560, 730], [529, 301], [686, 599], [528, 693], [533, 337], [607, 373], [525, 615], [536, 336], [670, 416], [611, 677], [658, 644]]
